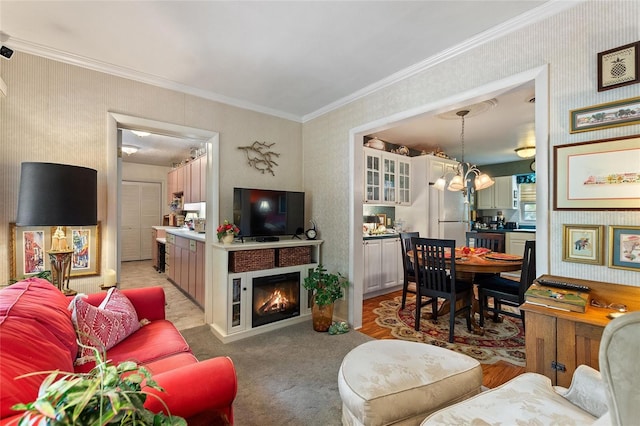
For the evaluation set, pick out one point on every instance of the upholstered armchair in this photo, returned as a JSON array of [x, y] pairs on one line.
[[609, 397]]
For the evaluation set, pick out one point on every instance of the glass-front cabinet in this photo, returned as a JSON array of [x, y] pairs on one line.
[[372, 171], [387, 178]]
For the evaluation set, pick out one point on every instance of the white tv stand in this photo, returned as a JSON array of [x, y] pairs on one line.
[[229, 306]]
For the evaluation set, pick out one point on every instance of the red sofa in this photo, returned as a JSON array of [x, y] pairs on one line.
[[37, 334]]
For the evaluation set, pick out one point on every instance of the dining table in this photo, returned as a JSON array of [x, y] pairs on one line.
[[469, 265]]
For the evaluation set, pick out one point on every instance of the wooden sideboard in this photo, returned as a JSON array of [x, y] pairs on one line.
[[557, 341]]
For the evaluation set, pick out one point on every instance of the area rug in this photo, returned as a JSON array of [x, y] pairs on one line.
[[501, 341]]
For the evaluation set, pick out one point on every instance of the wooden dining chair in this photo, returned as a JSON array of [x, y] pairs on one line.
[[436, 278], [409, 284], [492, 240], [506, 291]]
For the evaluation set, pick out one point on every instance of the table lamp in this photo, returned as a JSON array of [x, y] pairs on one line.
[[57, 195]]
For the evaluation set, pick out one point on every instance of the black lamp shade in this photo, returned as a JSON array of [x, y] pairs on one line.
[[57, 195]]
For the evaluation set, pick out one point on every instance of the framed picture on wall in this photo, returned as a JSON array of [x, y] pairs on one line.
[[602, 116], [583, 244], [598, 175], [28, 246], [85, 243], [619, 67], [624, 247]]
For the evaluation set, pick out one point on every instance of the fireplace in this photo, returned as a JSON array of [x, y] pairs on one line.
[[275, 298]]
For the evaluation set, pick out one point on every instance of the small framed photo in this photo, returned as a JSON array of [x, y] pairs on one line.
[[624, 247], [618, 67], [383, 218], [583, 244]]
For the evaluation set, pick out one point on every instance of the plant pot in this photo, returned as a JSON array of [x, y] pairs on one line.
[[228, 238], [322, 317]]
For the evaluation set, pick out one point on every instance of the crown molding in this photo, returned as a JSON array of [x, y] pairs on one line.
[[111, 69]]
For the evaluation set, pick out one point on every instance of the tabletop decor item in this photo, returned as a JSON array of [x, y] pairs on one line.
[[227, 232], [611, 114], [624, 247], [619, 67], [583, 244], [597, 175]]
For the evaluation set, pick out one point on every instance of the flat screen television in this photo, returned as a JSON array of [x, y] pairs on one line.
[[268, 213]]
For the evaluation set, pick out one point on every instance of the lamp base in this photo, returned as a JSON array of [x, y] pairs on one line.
[[61, 270]]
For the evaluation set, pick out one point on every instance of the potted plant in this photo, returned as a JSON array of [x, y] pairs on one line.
[[326, 289], [227, 232], [106, 395]]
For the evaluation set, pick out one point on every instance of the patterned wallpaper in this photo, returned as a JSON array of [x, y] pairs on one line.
[[56, 112], [567, 42]]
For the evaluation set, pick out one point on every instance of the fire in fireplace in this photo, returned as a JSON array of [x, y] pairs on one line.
[[275, 298]]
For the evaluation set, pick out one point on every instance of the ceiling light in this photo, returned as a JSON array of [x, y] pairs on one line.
[[129, 149], [526, 151], [140, 133], [464, 172]]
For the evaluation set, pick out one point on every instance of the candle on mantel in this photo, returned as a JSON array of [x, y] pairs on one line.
[[109, 278]]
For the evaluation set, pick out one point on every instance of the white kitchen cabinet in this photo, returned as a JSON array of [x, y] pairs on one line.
[[387, 178], [382, 264], [501, 195], [514, 241]]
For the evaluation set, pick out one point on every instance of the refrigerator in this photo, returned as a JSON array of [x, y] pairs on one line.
[[448, 215]]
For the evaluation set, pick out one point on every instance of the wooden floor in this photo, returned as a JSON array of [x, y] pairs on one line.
[[492, 374], [184, 313]]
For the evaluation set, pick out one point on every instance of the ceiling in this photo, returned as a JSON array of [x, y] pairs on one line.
[[292, 59]]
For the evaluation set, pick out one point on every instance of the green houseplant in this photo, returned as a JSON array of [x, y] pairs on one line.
[[107, 395], [326, 288]]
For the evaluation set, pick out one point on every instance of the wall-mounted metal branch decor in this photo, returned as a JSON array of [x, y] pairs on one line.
[[260, 156]]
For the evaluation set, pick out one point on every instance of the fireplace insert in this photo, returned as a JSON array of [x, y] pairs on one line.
[[275, 298]]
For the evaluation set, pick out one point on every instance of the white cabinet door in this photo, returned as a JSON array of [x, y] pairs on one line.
[[404, 182], [237, 303], [514, 242], [504, 195], [499, 196], [389, 261], [372, 175], [389, 179], [372, 265]]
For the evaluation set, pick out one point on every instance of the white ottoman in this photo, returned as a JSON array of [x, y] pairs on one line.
[[395, 382]]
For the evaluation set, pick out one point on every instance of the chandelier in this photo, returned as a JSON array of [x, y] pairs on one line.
[[464, 172]]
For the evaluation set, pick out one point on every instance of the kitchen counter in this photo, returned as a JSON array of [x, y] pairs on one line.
[[185, 233], [379, 236]]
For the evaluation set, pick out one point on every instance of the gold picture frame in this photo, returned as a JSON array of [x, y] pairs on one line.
[[85, 241], [624, 247], [583, 244], [619, 66], [28, 247]]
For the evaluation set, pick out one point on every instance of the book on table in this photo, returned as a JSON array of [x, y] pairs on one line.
[[570, 300]]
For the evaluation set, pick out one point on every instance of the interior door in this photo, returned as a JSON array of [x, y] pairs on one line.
[[141, 209]]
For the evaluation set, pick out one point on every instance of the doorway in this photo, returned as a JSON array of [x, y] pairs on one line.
[[113, 236], [357, 137]]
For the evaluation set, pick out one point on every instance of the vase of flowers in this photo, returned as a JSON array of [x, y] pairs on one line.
[[227, 232]]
